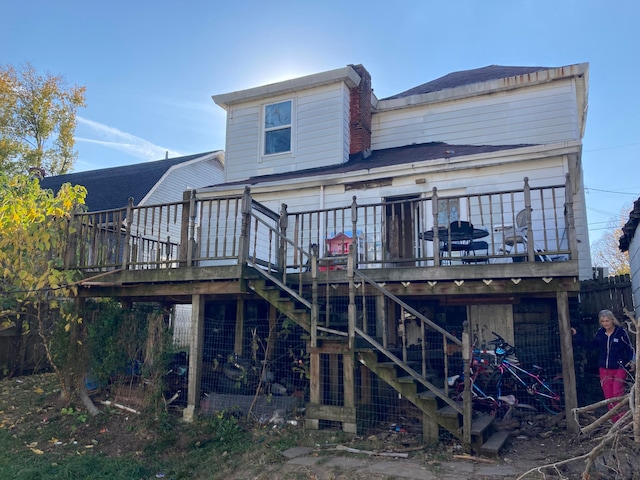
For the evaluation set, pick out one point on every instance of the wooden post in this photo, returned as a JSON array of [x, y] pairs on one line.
[[466, 394], [436, 237], [127, 235], [245, 229], [531, 257], [351, 310], [191, 242], [568, 369], [184, 229], [315, 311], [349, 390], [238, 340], [315, 393], [283, 224], [70, 257], [569, 218], [196, 342], [354, 230]]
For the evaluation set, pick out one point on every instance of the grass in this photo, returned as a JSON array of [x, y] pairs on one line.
[[18, 462], [40, 438]]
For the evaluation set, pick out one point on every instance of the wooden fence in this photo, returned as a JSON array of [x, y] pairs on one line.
[[612, 293]]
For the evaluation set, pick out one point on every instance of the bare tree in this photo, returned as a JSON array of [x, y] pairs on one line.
[[605, 252]]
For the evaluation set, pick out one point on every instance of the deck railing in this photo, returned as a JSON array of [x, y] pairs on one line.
[[526, 224]]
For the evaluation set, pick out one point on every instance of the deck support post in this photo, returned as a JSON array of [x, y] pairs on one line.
[[238, 343], [568, 369], [196, 342]]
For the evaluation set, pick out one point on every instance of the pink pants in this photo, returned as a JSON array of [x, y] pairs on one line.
[[612, 382]]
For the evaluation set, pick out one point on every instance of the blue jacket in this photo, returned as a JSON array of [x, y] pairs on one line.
[[614, 348]]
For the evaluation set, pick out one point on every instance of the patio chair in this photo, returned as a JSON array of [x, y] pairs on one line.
[[516, 242], [456, 239], [476, 252]]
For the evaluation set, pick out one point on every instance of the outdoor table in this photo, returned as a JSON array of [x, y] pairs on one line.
[[454, 241]]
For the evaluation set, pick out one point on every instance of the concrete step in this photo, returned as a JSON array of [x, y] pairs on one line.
[[495, 443], [480, 424]]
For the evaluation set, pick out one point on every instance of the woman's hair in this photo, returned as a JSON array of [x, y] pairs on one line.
[[608, 314]]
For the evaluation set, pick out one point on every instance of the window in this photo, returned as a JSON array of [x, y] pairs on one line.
[[277, 128], [448, 211]]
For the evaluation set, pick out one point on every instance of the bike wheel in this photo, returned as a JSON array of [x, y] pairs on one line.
[[554, 405]]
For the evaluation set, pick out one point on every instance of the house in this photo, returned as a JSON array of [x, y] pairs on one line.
[[630, 242], [467, 199], [147, 183]]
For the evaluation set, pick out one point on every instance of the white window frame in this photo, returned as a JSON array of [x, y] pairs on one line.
[[290, 126]]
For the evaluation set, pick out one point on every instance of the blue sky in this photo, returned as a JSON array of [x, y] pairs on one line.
[[150, 67]]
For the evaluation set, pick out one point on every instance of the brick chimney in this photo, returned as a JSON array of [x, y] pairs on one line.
[[360, 114]]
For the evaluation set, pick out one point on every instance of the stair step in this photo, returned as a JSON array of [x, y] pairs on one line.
[[495, 443], [448, 411], [480, 424], [410, 379], [407, 379], [427, 395]]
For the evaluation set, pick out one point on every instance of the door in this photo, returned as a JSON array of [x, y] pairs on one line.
[[401, 223]]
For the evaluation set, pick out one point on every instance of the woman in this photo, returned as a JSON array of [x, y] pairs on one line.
[[616, 354]]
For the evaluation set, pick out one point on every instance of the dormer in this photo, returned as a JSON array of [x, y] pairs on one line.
[[308, 122]]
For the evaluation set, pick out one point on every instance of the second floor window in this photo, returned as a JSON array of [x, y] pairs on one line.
[[277, 127]]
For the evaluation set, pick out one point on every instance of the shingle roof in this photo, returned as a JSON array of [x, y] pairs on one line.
[[110, 188], [629, 228], [382, 158], [467, 77]]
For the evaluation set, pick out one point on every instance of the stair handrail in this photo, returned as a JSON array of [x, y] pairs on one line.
[[408, 308]]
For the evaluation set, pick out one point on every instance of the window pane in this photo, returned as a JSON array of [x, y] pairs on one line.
[[277, 141], [277, 115], [448, 211]]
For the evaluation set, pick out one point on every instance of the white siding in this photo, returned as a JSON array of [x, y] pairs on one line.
[[170, 188], [504, 176], [535, 115], [319, 137], [195, 174]]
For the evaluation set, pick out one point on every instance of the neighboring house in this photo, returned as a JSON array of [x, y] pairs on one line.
[[630, 242], [147, 183], [467, 201], [139, 185]]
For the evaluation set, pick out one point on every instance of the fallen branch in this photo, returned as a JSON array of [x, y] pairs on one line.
[[369, 452], [473, 459], [610, 414], [594, 406], [118, 405], [552, 465], [614, 433]]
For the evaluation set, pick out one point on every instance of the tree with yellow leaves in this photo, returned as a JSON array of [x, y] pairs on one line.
[[37, 121], [34, 225]]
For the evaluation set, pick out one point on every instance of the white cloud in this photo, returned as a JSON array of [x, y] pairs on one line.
[[124, 142]]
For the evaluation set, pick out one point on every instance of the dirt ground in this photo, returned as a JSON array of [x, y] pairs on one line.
[[30, 409]]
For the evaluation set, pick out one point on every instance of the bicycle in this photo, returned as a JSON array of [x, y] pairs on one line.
[[481, 368], [507, 373]]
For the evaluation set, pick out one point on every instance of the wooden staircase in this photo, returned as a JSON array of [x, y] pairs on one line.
[[287, 301], [439, 411]]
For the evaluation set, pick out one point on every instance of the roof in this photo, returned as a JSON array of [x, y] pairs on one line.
[[111, 188], [467, 77], [382, 158], [629, 228]]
